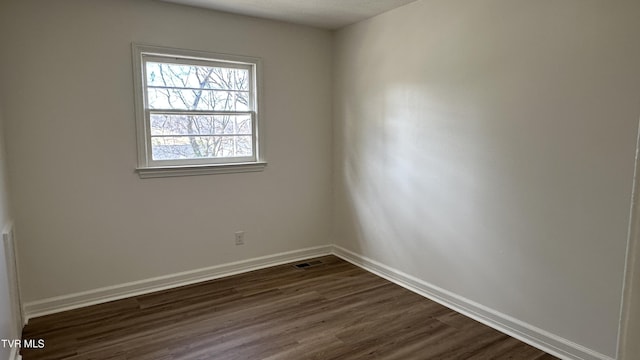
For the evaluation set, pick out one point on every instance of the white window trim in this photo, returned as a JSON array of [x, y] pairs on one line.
[[148, 168]]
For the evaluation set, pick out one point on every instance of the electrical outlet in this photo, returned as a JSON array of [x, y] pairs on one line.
[[239, 237]]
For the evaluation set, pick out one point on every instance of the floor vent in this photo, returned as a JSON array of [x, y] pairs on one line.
[[308, 264]]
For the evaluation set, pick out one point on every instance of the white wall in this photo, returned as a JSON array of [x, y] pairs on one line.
[[85, 218], [6, 317], [487, 148]]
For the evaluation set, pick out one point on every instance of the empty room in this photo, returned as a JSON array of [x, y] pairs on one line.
[[319, 179]]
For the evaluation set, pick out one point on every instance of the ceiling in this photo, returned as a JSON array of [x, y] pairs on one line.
[[328, 14]]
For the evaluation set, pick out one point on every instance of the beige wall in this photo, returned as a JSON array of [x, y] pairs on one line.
[[85, 218], [487, 148]]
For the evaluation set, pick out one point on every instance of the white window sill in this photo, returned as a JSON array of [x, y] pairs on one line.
[[169, 171]]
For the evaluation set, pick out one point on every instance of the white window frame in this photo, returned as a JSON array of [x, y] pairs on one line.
[[147, 167]]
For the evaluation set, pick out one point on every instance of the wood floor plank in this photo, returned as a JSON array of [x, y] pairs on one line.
[[329, 310]]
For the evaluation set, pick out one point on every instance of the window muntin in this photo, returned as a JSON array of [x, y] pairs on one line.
[[197, 110]]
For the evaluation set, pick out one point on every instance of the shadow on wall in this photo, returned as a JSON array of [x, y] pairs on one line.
[[462, 201], [413, 190]]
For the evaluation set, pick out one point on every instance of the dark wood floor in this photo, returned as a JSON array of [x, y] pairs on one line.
[[333, 310]]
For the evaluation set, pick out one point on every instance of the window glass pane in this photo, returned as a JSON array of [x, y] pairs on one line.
[[233, 146], [181, 124], [187, 99], [198, 147], [178, 124], [232, 124], [196, 76], [244, 146], [182, 147]]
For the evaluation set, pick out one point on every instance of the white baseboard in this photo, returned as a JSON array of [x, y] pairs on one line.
[[527, 333], [97, 296]]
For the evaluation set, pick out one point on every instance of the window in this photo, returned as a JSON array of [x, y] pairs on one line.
[[196, 112]]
